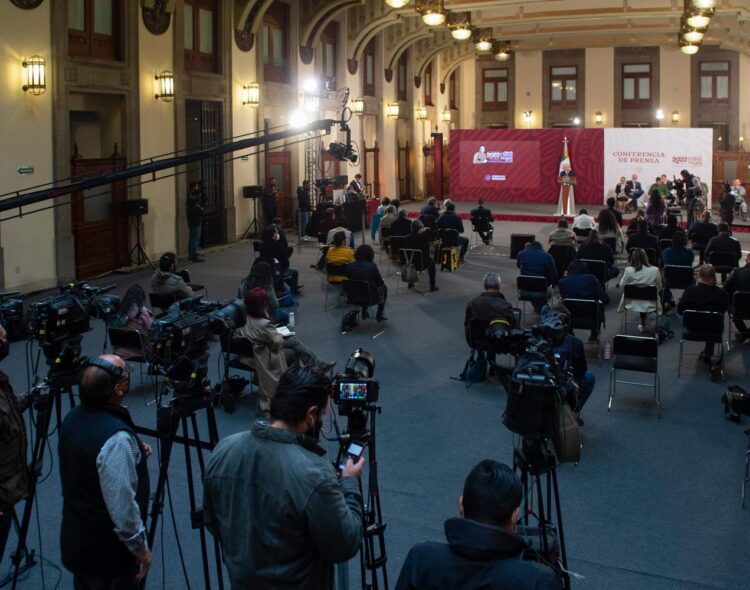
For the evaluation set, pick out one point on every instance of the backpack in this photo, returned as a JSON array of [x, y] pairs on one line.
[[349, 321], [475, 369], [409, 272]]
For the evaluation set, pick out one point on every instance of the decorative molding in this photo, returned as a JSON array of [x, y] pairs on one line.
[[352, 65], [27, 4], [243, 38], [317, 23], [71, 74], [125, 79], [157, 15]]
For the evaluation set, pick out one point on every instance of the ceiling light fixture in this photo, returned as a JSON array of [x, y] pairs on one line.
[[460, 25], [703, 4], [483, 41], [688, 48], [501, 51], [697, 20], [433, 12], [397, 3]]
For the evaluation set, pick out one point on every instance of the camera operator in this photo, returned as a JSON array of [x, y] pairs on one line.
[[274, 500], [14, 484], [692, 192], [105, 484], [483, 547], [489, 306], [167, 281]]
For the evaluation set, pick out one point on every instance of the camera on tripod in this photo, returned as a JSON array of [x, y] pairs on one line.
[[354, 390], [11, 315]]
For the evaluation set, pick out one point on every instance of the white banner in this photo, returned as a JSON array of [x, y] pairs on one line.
[[649, 153]]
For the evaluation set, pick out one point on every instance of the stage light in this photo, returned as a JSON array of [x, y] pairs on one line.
[[397, 3], [576, 121], [598, 118], [298, 119], [392, 110], [659, 115], [421, 113], [675, 117], [698, 20]]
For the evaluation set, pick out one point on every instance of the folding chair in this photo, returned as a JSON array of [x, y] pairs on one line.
[[385, 237], [238, 354], [664, 244], [563, 256], [678, 277], [642, 293], [586, 314], [132, 339], [518, 242], [677, 212], [480, 224], [362, 294], [534, 289], [598, 268], [740, 309], [162, 302], [703, 326], [724, 263], [413, 256], [332, 270], [638, 354]]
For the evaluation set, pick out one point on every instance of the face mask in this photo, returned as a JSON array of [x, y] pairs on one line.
[[4, 349]]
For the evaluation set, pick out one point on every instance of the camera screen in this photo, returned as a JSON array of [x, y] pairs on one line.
[[353, 390]]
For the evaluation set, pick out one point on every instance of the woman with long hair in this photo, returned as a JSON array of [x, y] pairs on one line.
[[132, 314], [656, 209], [610, 230], [262, 275], [640, 272], [593, 248]]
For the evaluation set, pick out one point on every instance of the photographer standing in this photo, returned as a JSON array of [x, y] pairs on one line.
[[304, 203], [273, 499], [15, 482], [105, 484]]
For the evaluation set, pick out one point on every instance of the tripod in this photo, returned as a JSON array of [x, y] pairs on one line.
[[253, 228], [187, 400], [137, 250], [372, 556], [62, 358], [534, 460]]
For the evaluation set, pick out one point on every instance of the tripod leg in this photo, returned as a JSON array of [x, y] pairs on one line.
[[560, 532]]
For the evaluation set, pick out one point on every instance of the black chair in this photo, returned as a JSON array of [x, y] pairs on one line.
[[409, 256], [638, 354], [337, 270], [394, 246], [563, 256], [133, 339], [533, 289], [724, 263], [652, 255], [581, 234], [740, 309], [476, 335], [612, 243], [162, 302], [518, 242], [363, 294], [703, 326], [483, 225], [598, 268], [678, 277], [586, 314], [322, 236], [237, 353], [664, 244], [643, 293], [448, 238]]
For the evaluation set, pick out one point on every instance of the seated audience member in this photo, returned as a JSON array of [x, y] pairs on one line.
[[483, 549], [364, 269], [272, 351], [272, 249], [563, 235], [430, 208], [534, 261], [726, 205], [167, 281], [328, 222], [656, 209], [341, 254], [668, 231], [569, 350], [386, 222], [282, 237], [701, 233], [317, 217], [481, 212], [724, 242], [678, 254], [584, 221], [132, 314], [633, 223], [593, 248], [401, 226], [739, 280], [577, 284], [610, 231], [642, 238], [262, 276], [449, 220], [640, 272], [612, 206], [490, 306], [706, 296], [661, 187], [419, 239], [375, 224]]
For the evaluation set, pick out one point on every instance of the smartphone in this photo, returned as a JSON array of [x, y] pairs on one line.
[[354, 452]]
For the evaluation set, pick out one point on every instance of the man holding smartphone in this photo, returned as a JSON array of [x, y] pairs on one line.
[[281, 512]]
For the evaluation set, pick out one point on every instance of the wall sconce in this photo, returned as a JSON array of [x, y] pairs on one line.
[[446, 115], [392, 110], [251, 94], [358, 106], [421, 113], [659, 115], [675, 117], [36, 75], [311, 102], [165, 82], [742, 139], [527, 118], [598, 118]]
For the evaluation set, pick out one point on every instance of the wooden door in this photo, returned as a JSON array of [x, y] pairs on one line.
[[438, 159], [728, 166], [99, 222], [278, 166], [404, 171], [372, 170], [204, 130]]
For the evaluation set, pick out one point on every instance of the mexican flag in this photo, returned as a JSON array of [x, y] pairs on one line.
[[565, 158]]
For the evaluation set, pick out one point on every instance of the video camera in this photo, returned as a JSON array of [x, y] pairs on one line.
[[11, 314], [186, 326], [69, 312], [354, 389]]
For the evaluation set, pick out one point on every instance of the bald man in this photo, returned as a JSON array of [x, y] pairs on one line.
[[105, 483]]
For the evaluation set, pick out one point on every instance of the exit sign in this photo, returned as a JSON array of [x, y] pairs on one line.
[[25, 170]]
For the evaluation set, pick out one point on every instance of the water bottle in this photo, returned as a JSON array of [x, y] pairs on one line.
[[607, 350], [291, 321]]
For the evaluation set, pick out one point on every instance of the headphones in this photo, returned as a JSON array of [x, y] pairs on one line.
[[115, 373]]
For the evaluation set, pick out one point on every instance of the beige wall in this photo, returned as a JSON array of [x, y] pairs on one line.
[[26, 140], [674, 85], [157, 129], [528, 88], [745, 99], [600, 89], [467, 79]]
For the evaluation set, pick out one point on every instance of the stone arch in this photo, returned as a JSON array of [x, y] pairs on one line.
[[319, 21], [407, 42], [366, 34]]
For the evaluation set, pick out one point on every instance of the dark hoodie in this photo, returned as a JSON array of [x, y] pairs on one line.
[[477, 556]]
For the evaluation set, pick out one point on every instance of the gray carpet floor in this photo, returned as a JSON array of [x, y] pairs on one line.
[[652, 504]]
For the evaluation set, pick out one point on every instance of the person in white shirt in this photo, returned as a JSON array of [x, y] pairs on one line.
[[584, 220]]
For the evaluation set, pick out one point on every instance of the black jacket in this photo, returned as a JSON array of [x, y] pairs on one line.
[[488, 306], [617, 214], [702, 297], [481, 213], [194, 211], [363, 270], [668, 232], [724, 243], [430, 210], [597, 252], [477, 556], [401, 227], [702, 231], [416, 241], [449, 220], [739, 280], [303, 199], [14, 483], [639, 240], [275, 249]]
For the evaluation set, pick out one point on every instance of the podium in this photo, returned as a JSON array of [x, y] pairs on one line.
[[566, 204]]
